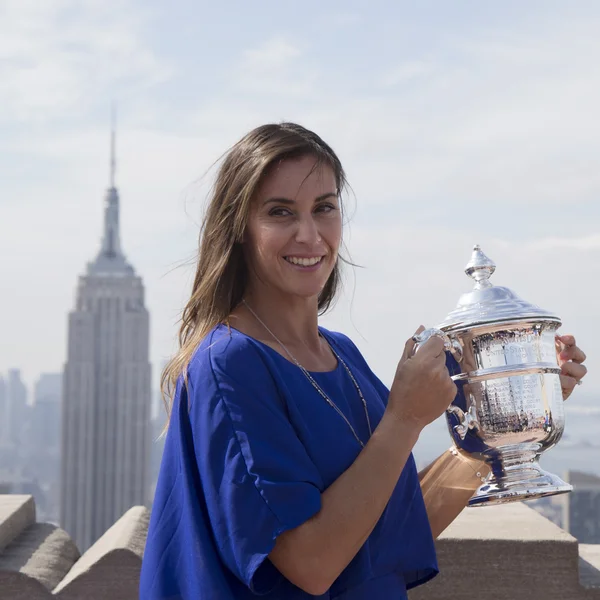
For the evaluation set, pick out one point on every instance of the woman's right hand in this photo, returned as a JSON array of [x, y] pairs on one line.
[[422, 389]]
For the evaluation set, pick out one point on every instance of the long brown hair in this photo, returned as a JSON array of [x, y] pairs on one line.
[[221, 272]]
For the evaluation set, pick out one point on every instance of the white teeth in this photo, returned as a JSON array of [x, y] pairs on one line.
[[305, 262]]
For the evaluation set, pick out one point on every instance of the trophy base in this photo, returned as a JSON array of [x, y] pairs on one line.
[[517, 483]]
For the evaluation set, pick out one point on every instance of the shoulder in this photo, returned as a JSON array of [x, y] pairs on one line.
[[225, 351], [342, 343], [341, 340], [230, 379]]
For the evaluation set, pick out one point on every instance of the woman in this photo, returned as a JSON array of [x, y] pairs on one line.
[[287, 470]]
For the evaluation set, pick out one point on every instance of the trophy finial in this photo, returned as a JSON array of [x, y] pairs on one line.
[[480, 268]]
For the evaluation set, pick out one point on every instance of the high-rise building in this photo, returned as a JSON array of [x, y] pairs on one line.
[[3, 413], [43, 456], [45, 418], [17, 418], [106, 390], [581, 516]]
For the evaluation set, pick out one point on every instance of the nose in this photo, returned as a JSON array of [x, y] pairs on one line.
[[308, 230]]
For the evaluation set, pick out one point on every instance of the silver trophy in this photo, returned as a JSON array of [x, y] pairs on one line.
[[501, 353]]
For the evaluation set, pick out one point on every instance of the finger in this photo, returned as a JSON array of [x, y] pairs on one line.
[[567, 340], [433, 347], [574, 370], [572, 353], [568, 385], [410, 344]]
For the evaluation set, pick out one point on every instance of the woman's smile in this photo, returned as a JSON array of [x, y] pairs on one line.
[[304, 263]]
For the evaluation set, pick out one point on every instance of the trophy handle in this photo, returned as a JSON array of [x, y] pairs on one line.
[[468, 420], [450, 345]]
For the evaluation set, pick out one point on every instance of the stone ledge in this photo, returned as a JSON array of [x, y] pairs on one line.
[[16, 514], [43, 553], [16, 586], [513, 521], [589, 566], [39, 561], [119, 550], [507, 552]]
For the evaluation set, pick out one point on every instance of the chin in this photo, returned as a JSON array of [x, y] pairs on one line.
[[301, 285], [304, 292]]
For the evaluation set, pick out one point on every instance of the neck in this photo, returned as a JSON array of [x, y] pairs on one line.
[[293, 319]]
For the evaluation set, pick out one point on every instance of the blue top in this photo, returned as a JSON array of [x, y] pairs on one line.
[[250, 448]]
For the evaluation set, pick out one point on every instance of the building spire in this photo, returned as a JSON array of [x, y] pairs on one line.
[[113, 136], [111, 245], [110, 259]]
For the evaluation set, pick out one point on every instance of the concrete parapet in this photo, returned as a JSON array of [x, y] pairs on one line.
[[42, 552], [589, 566], [16, 586], [34, 557], [110, 569], [39, 561], [16, 513], [507, 552]]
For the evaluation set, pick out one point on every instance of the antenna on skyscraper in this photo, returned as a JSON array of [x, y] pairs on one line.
[[113, 134]]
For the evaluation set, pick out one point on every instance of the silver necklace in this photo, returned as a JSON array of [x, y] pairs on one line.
[[316, 385]]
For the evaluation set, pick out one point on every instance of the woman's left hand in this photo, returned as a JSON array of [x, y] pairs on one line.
[[570, 359]]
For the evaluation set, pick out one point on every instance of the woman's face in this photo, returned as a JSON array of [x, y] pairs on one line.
[[294, 228]]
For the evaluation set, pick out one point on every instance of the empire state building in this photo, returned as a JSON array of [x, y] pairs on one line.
[[106, 390]]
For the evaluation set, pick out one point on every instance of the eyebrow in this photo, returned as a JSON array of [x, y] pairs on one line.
[[289, 201]]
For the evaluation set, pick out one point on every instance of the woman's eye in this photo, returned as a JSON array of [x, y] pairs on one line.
[[279, 212], [325, 208]]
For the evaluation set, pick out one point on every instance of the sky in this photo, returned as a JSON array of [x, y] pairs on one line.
[[458, 123]]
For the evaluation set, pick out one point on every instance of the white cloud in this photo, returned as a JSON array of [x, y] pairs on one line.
[[274, 68], [557, 244], [60, 56], [273, 55], [406, 73]]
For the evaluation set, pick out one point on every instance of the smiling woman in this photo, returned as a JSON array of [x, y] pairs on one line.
[[288, 468]]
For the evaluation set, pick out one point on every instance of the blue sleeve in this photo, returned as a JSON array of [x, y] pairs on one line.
[[256, 475]]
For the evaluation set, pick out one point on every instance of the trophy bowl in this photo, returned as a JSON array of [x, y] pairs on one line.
[[501, 353]]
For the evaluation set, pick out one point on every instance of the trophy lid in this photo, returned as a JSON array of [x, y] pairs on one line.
[[487, 303]]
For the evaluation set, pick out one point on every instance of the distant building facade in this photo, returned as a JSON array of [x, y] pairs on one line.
[[106, 400], [43, 460], [581, 516], [3, 413], [17, 408], [46, 413]]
